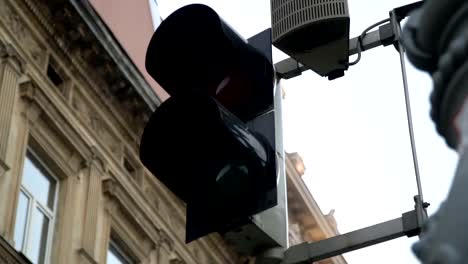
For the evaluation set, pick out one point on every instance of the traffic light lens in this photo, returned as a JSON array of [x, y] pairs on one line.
[[196, 131]]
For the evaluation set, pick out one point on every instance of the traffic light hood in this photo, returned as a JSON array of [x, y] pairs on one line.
[[194, 49]]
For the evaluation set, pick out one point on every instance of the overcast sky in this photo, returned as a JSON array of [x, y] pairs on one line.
[[352, 132]]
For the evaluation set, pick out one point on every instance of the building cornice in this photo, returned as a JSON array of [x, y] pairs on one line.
[[305, 198], [307, 206], [119, 56], [90, 45]]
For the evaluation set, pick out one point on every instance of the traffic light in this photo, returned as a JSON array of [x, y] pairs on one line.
[[212, 143]]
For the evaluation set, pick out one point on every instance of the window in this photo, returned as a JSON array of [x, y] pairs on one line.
[[53, 76], [155, 15], [57, 76], [36, 210], [116, 256]]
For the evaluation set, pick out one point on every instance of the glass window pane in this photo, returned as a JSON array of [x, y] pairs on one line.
[[38, 237], [21, 217], [36, 181], [115, 257]]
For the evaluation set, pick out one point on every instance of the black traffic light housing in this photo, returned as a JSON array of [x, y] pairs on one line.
[[212, 142]]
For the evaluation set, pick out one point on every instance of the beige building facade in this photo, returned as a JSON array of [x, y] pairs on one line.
[[73, 105]]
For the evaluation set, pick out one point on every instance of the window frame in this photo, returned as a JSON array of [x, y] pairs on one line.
[[116, 247], [33, 203]]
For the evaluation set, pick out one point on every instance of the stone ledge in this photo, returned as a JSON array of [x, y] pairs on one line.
[[9, 255]]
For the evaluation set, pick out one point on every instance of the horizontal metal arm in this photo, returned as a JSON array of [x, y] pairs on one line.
[[289, 68], [407, 225], [382, 36]]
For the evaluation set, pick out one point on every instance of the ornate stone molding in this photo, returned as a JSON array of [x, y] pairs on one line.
[[81, 35], [28, 92], [22, 33], [95, 160], [27, 89], [122, 206], [109, 187], [66, 26], [47, 123], [8, 53], [165, 240], [59, 28]]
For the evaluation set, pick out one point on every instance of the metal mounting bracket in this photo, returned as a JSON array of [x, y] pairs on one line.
[[409, 224]]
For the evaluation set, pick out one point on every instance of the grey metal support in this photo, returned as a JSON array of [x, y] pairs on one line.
[[410, 223], [372, 40], [290, 68], [407, 225], [409, 118]]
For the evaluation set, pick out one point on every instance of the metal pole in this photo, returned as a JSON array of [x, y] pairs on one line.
[[420, 199]]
